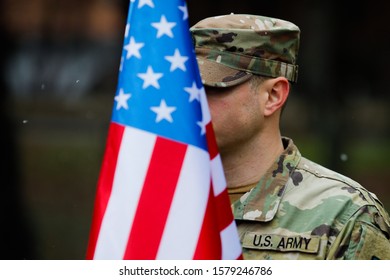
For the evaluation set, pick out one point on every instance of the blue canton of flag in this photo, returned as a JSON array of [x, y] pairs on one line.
[[159, 88]]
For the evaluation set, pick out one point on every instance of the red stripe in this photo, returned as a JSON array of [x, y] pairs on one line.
[[155, 200], [225, 215], [211, 142], [104, 185], [209, 243]]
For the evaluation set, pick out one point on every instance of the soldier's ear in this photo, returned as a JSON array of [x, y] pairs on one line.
[[278, 90]]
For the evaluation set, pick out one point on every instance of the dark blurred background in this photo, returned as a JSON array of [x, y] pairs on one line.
[[59, 68]]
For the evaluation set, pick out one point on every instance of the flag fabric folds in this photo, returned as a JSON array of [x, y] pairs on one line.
[[161, 192]]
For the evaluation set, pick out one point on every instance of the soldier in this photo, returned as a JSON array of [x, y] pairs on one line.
[[285, 206]]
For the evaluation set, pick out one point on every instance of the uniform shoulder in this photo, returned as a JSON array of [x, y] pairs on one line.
[[322, 176], [321, 171], [335, 185]]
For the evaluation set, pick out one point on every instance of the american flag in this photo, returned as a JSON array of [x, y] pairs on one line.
[[161, 193]]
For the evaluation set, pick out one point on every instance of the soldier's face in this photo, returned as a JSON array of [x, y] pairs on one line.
[[236, 113]]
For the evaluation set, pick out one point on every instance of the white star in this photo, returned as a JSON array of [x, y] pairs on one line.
[[121, 99], [150, 78], [177, 61], [133, 48], [202, 125], [164, 27], [184, 10], [163, 112], [194, 92], [145, 2]]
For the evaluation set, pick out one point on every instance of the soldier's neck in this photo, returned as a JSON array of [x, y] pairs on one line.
[[246, 164]]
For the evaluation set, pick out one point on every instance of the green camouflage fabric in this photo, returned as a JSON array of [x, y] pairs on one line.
[[231, 48], [301, 210]]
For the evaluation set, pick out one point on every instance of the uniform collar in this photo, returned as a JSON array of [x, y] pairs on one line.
[[262, 202]]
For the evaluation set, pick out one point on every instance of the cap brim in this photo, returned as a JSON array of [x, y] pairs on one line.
[[214, 74]]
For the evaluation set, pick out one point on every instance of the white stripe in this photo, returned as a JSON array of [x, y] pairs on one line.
[[231, 247], [133, 161], [188, 207], [217, 175]]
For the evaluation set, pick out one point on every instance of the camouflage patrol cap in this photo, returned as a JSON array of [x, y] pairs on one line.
[[231, 48]]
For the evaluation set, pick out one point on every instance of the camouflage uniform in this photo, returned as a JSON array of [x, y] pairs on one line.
[[299, 209]]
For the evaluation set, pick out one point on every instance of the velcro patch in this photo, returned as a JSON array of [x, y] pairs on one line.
[[307, 244]]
